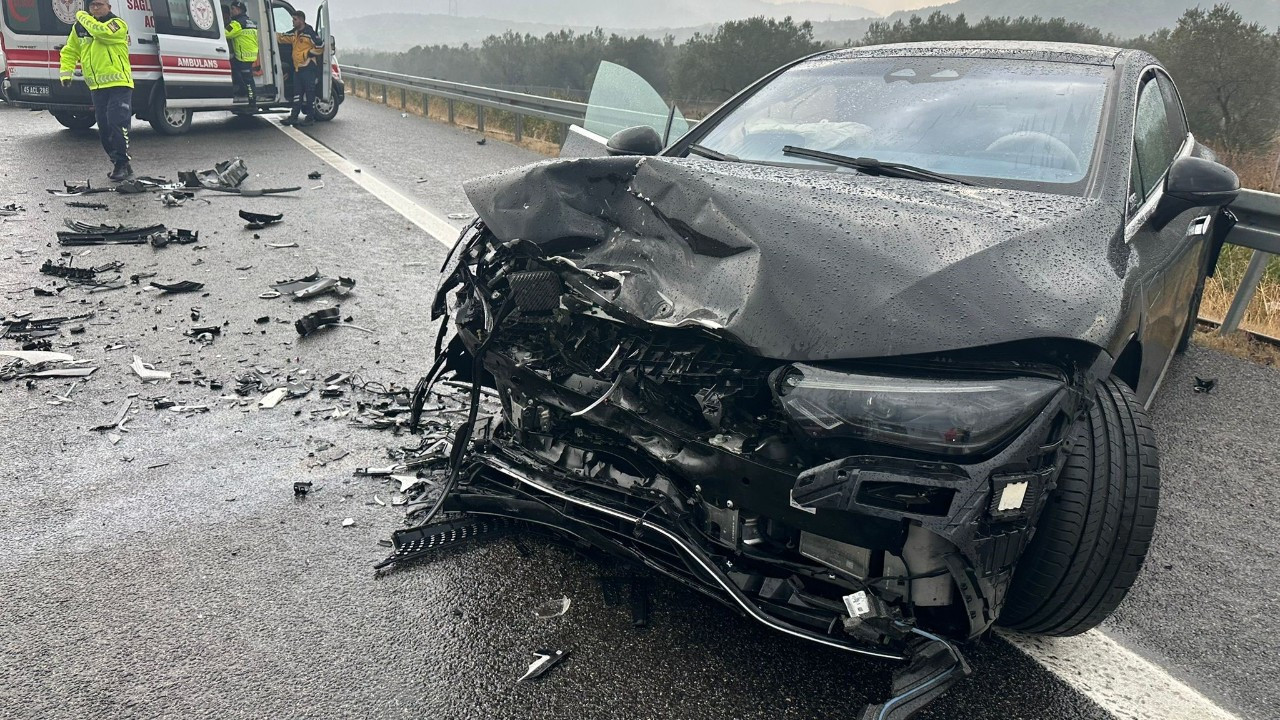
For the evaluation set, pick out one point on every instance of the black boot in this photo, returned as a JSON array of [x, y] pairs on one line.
[[121, 172], [291, 120]]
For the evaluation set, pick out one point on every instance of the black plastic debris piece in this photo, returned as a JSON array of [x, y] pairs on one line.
[[300, 489], [11, 209], [263, 320], [65, 271], [109, 267], [224, 175], [44, 345], [640, 588], [259, 221], [43, 292], [208, 330], [78, 234], [317, 320], [482, 141], [175, 237], [185, 286], [215, 384], [314, 175], [1205, 385], [165, 404], [543, 662], [419, 542], [331, 392], [87, 205], [176, 198], [76, 330], [139, 277]]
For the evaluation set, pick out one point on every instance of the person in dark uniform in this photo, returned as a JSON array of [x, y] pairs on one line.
[[308, 54], [242, 34]]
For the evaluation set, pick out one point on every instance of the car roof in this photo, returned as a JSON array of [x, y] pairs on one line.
[[996, 49]]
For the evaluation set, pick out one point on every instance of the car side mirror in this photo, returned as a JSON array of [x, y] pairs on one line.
[[640, 140], [1195, 182]]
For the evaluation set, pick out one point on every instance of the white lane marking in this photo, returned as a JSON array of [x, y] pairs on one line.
[[1119, 680], [1124, 683], [434, 225]]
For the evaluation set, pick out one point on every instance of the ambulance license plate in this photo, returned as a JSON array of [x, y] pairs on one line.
[[35, 90]]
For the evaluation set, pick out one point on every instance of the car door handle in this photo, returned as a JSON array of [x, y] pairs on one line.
[[1199, 226], [221, 50], [148, 41]]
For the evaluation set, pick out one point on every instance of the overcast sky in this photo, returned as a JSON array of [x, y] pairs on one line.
[[883, 7]]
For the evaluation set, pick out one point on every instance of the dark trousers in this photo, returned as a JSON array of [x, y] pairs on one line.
[[306, 85], [242, 79], [114, 108]]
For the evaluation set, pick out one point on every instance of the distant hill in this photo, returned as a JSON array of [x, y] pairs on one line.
[[605, 13], [1124, 18]]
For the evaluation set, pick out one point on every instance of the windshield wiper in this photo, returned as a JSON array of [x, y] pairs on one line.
[[872, 166], [710, 154]]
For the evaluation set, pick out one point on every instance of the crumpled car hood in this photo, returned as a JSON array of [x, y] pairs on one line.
[[803, 265]]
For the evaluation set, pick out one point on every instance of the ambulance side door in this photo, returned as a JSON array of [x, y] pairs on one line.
[[323, 30], [194, 57]]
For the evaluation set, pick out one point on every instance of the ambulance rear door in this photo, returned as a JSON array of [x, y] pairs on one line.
[[194, 57], [326, 75]]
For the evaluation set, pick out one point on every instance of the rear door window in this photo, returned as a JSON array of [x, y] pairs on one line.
[[189, 18], [40, 17]]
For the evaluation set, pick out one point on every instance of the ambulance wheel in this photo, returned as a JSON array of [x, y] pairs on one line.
[[169, 121], [78, 122], [326, 111]]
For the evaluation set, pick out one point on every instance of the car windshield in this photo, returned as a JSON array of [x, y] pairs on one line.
[[997, 122]]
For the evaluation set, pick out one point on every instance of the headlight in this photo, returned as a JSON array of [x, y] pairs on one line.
[[950, 417]]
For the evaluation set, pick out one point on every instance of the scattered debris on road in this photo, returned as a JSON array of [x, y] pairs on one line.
[[147, 371], [81, 234], [314, 285], [178, 288], [552, 608], [316, 320], [224, 175], [259, 221], [546, 659], [1205, 385]]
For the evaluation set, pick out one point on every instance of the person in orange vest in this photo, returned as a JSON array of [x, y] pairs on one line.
[[308, 55]]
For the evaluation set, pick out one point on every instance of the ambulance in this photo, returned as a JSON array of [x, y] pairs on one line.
[[180, 57]]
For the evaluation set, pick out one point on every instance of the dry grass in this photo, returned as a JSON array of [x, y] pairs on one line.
[[1240, 345]]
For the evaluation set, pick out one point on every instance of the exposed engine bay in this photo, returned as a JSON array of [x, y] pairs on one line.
[[878, 506]]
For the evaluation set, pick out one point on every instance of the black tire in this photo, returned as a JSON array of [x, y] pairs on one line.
[[78, 122], [1093, 536], [167, 121], [328, 111]]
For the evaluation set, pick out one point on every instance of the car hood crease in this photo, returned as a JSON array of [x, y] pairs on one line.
[[803, 265]]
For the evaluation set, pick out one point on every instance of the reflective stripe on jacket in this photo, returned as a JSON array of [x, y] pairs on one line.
[[242, 33], [306, 46], [101, 48]]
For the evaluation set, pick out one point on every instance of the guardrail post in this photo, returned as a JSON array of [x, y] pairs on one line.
[[404, 100], [384, 94], [480, 118], [519, 128], [1248, 286], [452, 111]]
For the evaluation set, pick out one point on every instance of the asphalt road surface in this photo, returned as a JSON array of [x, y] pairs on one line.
[[174, 573]]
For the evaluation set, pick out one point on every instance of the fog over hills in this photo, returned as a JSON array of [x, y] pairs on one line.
[[1125, 18], [608, 13]]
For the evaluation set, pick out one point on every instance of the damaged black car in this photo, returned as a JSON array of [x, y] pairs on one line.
[[866, 354]]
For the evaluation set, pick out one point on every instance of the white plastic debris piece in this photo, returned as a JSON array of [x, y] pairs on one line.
[[406, 481], [399, 500], [857, 604], [114, 438], [1012, 497], [552, 608], [273, 398], [348, 522], [379, 500], [64, 372], [282, 246], [147, 371], [34, 357], [269, 295]]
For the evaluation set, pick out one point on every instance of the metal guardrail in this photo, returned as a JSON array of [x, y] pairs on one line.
[[1258, 228], [1258, 212], [522, 105]]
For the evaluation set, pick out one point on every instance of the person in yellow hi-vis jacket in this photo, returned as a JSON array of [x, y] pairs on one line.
[[242, 33], [99, 43]]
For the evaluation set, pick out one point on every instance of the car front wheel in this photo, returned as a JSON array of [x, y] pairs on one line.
[[1093, 535]]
